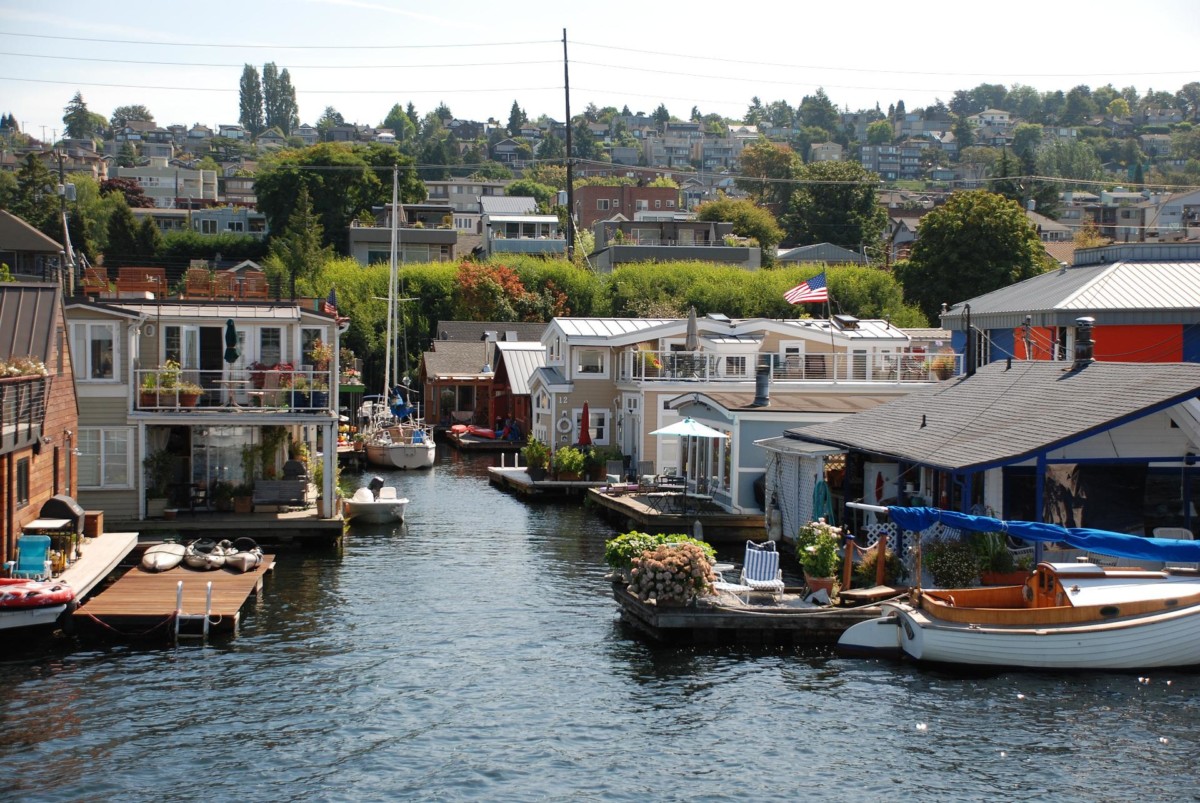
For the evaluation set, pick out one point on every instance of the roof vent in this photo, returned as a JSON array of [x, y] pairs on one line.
[[1085, 347], [845, 322]]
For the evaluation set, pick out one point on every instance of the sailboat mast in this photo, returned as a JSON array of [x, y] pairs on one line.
[[388, 361]]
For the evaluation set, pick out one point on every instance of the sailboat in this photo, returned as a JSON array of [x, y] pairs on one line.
[[397, 435]]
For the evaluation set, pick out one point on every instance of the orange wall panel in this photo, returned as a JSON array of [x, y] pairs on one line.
[[1161, 343]]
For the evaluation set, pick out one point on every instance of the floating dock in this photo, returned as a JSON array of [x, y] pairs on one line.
[[638, 511], [518, 480], [727, 619], [293, 527], [142, 604], [465, 442]]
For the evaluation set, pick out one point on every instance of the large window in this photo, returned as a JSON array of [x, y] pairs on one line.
[[270, 345], [105, 457], [735, 365], [94, 351], [591, 361], [597, 425]]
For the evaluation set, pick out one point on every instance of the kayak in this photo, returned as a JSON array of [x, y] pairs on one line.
[[204, 555], [481, 432], [161, 557], [243, 555]]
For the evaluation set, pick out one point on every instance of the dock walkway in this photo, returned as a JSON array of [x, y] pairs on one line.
[[141, 604]]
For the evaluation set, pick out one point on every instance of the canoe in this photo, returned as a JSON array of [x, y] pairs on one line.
[[204, 555], [162, 557], [481, 432], [243, 555]]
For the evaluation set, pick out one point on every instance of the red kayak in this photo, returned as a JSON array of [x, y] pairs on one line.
[[481, 432], [16, 593], [459, 428]]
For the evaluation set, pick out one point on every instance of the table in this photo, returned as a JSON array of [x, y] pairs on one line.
[[662, 501], [230, 387]]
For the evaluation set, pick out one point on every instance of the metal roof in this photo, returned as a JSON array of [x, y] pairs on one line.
[[505, 330], [550, 377], [456, 359], [1005, 415], [172, 310], [17, 235], [610, 327], [507, 204], [793, 446], [27, 319], [522, 218], [521, 360], [781, 402], [1117, 292]]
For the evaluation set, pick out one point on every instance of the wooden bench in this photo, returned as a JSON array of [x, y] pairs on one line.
[[282, 493]]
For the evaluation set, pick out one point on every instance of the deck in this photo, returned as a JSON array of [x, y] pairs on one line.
[[141, 604], [648, 513], [517, 479], [295, 527], [465, 442]]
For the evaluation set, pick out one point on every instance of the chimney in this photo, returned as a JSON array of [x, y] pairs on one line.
[[762, 386], [1084, 346]]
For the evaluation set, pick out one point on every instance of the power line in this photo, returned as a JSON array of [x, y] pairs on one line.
[[424, 65], [277, 47], [339, 91]]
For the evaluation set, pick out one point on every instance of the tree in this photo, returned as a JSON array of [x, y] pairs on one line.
[[300, 252], [748, 221], [1078, 106], [661, 115], [35, 201], [1119, 107], [1075, 160], [516, 119], [129, 189], [126, 155], [755, 113], [329, 118], [543, 194], [583, 144], [81, 123], [400, 123], [767, 172], [879, 133], [817, 110], [147, 239], [964, 132], [122, 241], [289, 111], [1188, 100], [1027, 137], [835, 203], [250, 101], [123, 114], [974, 243], [279, 99], [551, 147]]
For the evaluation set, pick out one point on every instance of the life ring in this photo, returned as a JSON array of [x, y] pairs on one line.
[[564, 425]]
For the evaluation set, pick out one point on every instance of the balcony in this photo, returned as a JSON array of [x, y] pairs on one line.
[[22, 408], [695, 366], [280, 389]]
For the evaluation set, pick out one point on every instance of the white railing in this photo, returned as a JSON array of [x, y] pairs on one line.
[[292, 389], [699, 366]]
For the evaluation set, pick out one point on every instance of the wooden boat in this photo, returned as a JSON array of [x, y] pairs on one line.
[[204, 555], [1065, 616], [162, 557], [243, 555], [369, 506], [33, 603]]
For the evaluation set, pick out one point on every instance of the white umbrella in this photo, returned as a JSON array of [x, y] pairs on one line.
[[689, 428]]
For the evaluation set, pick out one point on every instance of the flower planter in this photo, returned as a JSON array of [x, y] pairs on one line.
[[189, 399], [243, 504], [818, 583], [568, 476], [147, 399], [537, 474]]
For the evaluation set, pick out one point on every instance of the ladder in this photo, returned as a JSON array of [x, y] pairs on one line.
[[180, 616]]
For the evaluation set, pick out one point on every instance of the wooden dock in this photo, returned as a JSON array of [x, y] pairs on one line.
[[141, 604], [517, 479], [634, 511], [465, 442], [754, 624]]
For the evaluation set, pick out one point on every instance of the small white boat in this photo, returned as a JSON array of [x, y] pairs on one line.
[[407, 446], [204, 555], [33, 603], [1065, 616], [243, 555], [375, 504], [162, 557]]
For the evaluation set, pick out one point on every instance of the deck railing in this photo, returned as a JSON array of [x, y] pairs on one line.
[[699, 366], [293, 389], [22, 409]]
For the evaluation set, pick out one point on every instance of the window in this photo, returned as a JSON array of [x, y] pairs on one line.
[[554, 353], [657, 204], [236, 225], [208, 227], [22, 482], [105, 456], [590, 361], [597, 425], [641, 205], [93, 347], [616, 203], [307, 338], [670, 204], [735, 366], [270, 346], [602, 204]]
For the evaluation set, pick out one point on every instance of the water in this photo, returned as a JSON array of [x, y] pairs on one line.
[[474, 654]]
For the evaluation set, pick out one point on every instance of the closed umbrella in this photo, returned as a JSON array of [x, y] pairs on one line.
[[585, 425], [692, 340], [231, 342]]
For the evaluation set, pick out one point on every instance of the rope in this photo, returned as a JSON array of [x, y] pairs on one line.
[[106, 626]]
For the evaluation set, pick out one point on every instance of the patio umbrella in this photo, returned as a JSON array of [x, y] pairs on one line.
[[689, 428], [231, 342], [692, 340], [585, 425]]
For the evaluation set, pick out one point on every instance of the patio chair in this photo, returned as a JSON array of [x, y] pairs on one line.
[[197, 283], [224, 286], [760, 569], [33, 558], [614, 471], [255, 287]]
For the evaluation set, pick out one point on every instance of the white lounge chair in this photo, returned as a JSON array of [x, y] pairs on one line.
[[760, 569]]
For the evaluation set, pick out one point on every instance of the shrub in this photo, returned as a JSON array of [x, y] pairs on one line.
[[568, 460], [951, 562], [535, 453], [817, 548], [672, 573], [620, 552], [893, 568]]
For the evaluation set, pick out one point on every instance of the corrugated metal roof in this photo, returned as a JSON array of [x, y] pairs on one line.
[[521, 360], [1141, 292], [550, 377], [507, 204], [609, 327], [27, 319], [1006, 415], [822, 252], [784, 402], [868, 329], [522, 218], [17, 235], [167, 309], [792, 446]]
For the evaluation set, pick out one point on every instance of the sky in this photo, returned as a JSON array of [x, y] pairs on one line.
[[184, 60]]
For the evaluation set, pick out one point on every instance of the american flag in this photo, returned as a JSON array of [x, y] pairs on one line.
[[812, 290], [330, 305]]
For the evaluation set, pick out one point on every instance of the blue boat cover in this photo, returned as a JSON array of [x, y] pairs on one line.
[[1102, 541]]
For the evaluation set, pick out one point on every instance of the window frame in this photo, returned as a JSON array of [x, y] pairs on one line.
[[21, 484], [82, 337], [103, 458], [601, 371], [599, 427]]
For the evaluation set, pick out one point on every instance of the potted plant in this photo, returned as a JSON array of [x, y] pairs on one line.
[[996, 564], [319, 395], [300, 385], [221, 495], [189, 394], [672, 575], [568, 463], [817, 552], [320, 353], [243, 497], [942, 365], [866, 572], [951, 562], [536, 455], [620, 552], [148, 392], [596, 459]]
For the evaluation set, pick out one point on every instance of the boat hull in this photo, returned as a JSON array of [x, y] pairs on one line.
[[376, 512], [402, 455], [18, 618], [1163, 639]]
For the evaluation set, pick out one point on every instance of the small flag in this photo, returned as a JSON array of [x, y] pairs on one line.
[[330, 305], [812, 290]]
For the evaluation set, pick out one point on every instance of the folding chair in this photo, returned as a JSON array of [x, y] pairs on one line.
[[33, 558], [760, 569]]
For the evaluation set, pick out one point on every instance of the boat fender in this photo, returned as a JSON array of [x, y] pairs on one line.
[[950, 600], [1027, 593], [564, 425]]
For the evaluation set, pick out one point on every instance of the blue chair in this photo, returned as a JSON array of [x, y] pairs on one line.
[[760, 569], [33, 558]]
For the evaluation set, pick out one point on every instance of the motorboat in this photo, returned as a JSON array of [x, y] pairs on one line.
[[243, 555], [204, 555], [408, 445], [33, 603], [163, 557], [1079, 615], [376, 503]]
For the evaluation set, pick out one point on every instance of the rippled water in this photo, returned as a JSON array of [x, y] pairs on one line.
[[474, 654]]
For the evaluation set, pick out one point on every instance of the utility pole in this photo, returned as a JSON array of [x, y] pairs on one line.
[[570, 172], [68, 265]]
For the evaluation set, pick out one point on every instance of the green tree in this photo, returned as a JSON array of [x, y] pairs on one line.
[[748, 220], [767, 170], [250, 101], [661, 115], [121, 244], [817, 110], [328, 119], [279, 99], [1074, 160], [755, 113], [299, 252], [835, 203], [1119, 107], [123, 114], [516, 119], [964, 132], [524, 187], [80, 122], [147, 239], [126, 155], [879, 133], [1078, 106], [583, 144], [401, 125], [974, 243], [1026, 139], [35, 201], [551, 147]]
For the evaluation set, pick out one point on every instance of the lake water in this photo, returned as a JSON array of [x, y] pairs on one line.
[[475, 654]]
